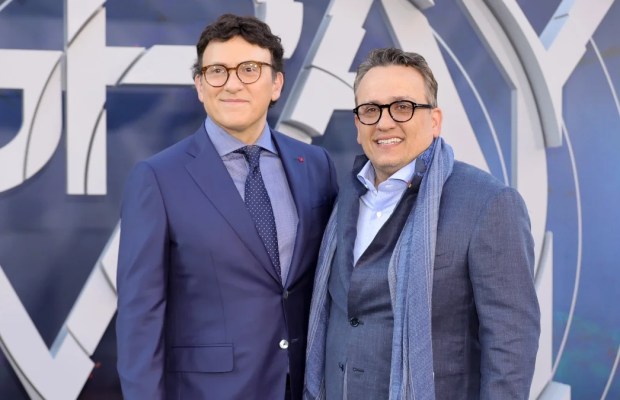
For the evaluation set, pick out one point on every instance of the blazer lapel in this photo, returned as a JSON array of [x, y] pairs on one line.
[[211, 175], [293, 160], [348, 212]]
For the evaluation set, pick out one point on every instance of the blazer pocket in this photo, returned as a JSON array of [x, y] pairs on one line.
[[213, 358], [443, 260]]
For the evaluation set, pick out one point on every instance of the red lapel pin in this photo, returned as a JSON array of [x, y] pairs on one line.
[[300, 159]]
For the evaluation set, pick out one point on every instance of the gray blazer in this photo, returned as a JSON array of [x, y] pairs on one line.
[[485, 315], [486, 319]]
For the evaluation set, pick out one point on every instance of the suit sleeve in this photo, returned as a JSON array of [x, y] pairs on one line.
[[141, 285], [501, 262]]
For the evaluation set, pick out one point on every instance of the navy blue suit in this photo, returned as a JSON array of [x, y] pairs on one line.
[[201, 313]]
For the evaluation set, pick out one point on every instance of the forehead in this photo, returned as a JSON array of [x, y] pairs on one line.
[[234, 51], [388, 83]]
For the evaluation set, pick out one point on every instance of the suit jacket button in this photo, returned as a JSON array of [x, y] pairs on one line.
[[284, 344], [285, 294], [354, 322]]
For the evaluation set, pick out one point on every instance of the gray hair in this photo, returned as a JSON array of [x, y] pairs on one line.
[[394, 56]]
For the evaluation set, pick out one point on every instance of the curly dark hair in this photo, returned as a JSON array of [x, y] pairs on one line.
[[251, 29]]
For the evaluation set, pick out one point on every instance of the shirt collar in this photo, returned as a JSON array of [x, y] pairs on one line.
[[367, 175], [225, 143]]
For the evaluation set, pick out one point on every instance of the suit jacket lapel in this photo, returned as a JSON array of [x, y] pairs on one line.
[[211, 175], [293, 160], [348, 212]]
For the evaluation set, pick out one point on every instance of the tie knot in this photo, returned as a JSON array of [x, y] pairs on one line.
[[252, 155]]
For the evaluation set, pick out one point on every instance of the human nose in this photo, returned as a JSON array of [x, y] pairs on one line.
[[233, 82], [385, 120]]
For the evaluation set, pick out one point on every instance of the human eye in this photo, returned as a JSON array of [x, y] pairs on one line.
[[402, 106], [249, 67], [216, 70], [369, 109]]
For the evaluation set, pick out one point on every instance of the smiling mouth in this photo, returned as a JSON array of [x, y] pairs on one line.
[[389, 141]]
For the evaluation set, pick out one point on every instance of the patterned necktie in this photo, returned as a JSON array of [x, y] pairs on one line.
[[258, 204]]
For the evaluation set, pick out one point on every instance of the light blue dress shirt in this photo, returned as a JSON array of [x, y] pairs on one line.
[[377, 204], [282, 203]]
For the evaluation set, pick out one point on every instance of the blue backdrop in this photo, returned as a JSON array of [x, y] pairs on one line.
[[50, 240]]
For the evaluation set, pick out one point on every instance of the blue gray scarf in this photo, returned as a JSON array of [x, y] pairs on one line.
[[410, 276]]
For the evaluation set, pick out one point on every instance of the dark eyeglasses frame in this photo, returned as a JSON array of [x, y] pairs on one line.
[[414, 105], [260, 64]]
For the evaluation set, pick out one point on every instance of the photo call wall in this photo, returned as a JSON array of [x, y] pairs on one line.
[[529, 91]]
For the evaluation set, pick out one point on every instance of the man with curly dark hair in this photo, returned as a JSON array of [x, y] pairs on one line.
[[219, 238]]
